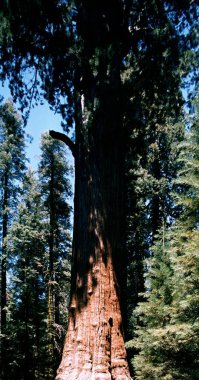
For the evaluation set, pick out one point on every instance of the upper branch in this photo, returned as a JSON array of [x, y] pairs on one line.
[[62, 137]]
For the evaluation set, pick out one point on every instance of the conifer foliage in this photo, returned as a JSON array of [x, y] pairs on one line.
[[28, 307], [168, 332], [12, 167], [150, 184], [55, 190], [35, 252]]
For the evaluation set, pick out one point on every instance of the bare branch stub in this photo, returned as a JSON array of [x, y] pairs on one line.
[[64, 138]]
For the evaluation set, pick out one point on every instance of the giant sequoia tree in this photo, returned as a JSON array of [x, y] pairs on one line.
[[96, 62]]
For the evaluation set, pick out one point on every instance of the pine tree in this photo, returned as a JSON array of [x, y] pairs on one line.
[[12, 166], [55, 188], [26, 242], [153, 314], [168, 336], [185, 261], [38, 302], [150, 183]]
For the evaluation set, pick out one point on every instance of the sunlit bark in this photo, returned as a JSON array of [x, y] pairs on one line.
[[94, 347]]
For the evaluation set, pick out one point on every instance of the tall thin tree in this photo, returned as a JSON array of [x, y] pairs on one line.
[[55, 188], [12, 166], [26, 244]]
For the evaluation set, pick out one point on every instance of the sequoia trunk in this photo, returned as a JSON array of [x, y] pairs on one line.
[[94, 347]]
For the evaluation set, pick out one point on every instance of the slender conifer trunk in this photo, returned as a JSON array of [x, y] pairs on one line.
[[4, 255], [156, 204], [51, 279], [3, 345]]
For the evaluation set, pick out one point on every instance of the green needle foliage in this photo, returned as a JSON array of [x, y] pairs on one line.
[[150, 183], [38, 247], [168, 327], [55, 190], [12, 167], [26, 243]]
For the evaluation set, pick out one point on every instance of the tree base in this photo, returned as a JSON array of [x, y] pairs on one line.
[[94, 347], [90, 375]]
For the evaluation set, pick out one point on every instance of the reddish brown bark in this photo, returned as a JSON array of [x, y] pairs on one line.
[[94, 347]]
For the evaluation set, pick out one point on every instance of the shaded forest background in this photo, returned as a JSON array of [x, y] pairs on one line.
[[161, 185]]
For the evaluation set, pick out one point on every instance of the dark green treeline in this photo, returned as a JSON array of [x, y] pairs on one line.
[[35, 254], [166, 335]]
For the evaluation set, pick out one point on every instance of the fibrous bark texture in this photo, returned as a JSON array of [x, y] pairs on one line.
[[94, 347]]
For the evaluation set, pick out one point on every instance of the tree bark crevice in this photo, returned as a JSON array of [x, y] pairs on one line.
[[94, 347]]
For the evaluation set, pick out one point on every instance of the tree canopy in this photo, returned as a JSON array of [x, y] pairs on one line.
[[75, 45]]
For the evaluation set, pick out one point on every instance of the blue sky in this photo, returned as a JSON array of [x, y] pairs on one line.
[[41, 120]]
